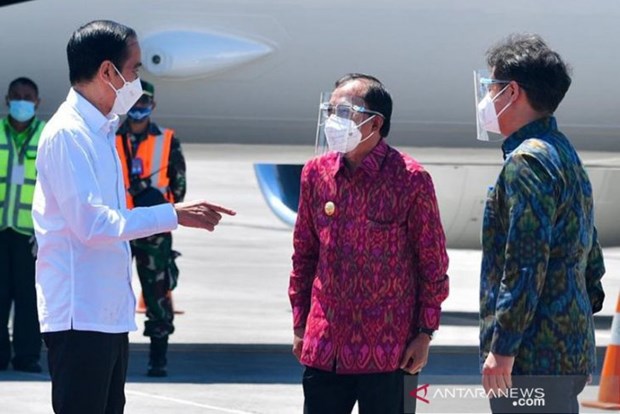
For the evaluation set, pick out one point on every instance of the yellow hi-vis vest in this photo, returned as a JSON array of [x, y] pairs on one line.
[[154, 152], [18, 176]]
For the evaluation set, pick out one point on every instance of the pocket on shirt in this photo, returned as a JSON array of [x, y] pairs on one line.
[[386, 259], [31, 154], [386, 234], [384, 225]]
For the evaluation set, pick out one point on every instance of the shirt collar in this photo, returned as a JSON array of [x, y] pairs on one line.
[[535, 128], [372, 162], [96, 121]]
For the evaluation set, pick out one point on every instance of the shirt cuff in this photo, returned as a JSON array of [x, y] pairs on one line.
[[429, 317], [165, 217], [505, 342]]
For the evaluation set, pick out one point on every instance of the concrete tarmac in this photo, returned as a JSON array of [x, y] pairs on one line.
[[243, 379], [231, 349]]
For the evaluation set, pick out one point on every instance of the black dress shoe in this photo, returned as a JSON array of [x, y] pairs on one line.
[[157, 357], [27, 367], [157, 371]]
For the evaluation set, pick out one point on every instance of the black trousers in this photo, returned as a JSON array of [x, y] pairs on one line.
[[17, 287], [541, 394], [88, 371], [328, 392]]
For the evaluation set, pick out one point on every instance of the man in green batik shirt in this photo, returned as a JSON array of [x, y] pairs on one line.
[[542, 263]]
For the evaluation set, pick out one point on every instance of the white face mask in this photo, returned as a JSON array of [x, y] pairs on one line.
[[486, 112], [342, 134], [126, 96]]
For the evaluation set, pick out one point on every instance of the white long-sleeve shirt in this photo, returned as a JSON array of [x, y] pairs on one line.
[[83, 271]]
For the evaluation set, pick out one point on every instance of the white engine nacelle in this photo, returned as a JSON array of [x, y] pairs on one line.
[[186, 54]]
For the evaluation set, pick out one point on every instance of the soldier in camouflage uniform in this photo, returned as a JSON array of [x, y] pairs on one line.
[[154, 170]]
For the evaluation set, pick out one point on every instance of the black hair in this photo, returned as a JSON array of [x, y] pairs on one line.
[[539, 71], [94, 43], [377, 98], [24, 81]]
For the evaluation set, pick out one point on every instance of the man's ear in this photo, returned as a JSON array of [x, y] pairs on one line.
[[377, 123], [154, 105], [515, 91], [106, 71]]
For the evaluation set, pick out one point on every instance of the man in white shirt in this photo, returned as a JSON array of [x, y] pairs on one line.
[[85, 300]]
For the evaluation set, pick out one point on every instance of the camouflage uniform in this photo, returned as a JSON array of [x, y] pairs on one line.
[[158, 274], [155, 263]]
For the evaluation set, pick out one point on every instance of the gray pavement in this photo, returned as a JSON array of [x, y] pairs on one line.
[[243, 379], [230, 352]]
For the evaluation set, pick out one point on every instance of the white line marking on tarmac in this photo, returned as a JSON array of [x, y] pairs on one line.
[[186, 402]]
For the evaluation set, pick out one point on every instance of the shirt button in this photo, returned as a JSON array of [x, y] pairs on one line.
[[330, 208]]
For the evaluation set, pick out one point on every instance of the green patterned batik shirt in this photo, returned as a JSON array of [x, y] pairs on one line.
[[542, 263]]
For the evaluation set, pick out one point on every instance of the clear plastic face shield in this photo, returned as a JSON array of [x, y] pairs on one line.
[[487, 90], [339, 122]]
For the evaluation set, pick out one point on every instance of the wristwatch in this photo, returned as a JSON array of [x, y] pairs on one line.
[[427, 331]]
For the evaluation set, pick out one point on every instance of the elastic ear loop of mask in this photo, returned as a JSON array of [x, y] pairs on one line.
[[497, 96], [369, 135], [122, 77]]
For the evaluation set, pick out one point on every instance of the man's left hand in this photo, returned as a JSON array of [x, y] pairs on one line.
[[496, 374], [200, 214], [416, 354]]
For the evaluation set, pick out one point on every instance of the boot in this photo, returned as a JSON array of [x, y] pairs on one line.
[[157, 357]]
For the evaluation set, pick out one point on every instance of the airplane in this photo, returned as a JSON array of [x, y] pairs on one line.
[[251, 72]]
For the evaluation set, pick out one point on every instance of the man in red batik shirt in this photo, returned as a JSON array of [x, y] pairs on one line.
[[369, 261]]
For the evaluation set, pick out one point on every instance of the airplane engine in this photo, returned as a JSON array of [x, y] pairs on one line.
[[187, 54]]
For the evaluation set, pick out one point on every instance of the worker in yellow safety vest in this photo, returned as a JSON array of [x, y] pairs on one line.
[[19, 137], [154, 173]]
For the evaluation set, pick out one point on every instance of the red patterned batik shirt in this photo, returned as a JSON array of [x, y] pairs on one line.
[[369, 261]]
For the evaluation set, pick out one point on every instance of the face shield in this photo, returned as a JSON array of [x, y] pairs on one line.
[[487, 125], [338, 123]]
